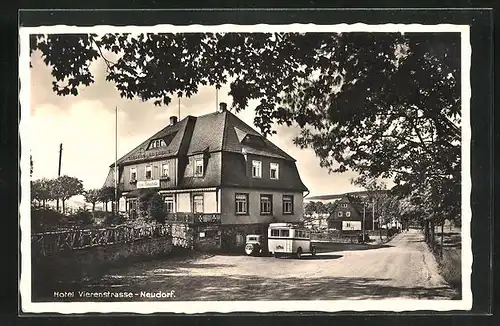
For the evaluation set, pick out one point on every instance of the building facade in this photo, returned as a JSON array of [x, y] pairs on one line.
[[215, 172], [350, 213]]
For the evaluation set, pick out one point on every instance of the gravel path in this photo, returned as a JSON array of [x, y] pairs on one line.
[[402, 268]]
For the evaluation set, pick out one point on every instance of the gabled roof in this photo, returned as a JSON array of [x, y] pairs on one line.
[[174, 136], [218, 131], [234, 140], [222, 132]]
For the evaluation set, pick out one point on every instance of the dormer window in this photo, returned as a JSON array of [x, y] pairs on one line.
[[198, 167], [274, 171], [344, 205], [156, 143], [256, 169]]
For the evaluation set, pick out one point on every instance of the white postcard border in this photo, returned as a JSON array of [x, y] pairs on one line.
[[192, 307]]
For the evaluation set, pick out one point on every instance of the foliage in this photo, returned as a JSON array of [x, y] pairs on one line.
[[106, 194], [43, 219], [92, 196], [65, 187], [144, 202], [157, 208], [151, 205], [382, 104], [41, 191], [113, 219], [82, 217]]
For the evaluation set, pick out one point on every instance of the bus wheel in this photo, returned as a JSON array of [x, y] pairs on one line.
[[299, 253]]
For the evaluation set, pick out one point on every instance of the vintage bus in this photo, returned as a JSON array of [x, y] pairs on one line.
[[287, 239]]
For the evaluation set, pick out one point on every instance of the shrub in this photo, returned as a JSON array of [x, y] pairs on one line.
[[43, 219], [157, 208], [113, 219], [82, 217]]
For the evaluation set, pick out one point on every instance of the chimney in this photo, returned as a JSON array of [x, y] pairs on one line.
[[173, 120], [222, 106]]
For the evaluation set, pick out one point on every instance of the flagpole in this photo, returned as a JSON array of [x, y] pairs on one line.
[[116, 159]]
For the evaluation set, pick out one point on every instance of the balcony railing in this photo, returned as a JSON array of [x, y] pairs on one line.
[[194, 218]]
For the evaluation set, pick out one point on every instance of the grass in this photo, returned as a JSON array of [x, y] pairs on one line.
[[450, 264]]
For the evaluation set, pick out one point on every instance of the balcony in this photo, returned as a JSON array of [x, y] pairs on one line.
[[194, 218]]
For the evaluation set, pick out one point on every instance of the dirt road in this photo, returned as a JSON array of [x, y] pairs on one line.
[[402, 268]]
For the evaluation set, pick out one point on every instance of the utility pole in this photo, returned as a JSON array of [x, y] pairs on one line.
[[364, 220], [116, 159], [216, 98], [59, 172], [373, 214]]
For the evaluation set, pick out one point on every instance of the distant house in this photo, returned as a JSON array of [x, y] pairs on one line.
[[217, 172], [349, 212]]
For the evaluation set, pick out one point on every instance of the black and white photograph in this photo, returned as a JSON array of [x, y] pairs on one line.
[[239, 168]]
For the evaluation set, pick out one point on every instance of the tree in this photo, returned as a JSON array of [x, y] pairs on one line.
[[106, 194], [41, 191], [92, 196], [381, 104], [65, 187], [310, 208]]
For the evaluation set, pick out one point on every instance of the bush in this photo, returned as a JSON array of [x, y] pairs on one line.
[[43, 219], [157, 208], [113, 219], [82, 217]]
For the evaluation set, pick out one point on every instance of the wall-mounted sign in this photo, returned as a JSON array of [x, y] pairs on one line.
[[351, 225], [148, 184]]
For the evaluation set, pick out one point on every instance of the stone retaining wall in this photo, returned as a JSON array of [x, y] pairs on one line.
[[74, 265]]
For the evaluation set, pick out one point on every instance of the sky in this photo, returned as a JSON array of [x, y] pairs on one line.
[[85, 125]]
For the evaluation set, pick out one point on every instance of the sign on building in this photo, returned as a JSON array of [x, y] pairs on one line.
[[351, 225], [148, 184]]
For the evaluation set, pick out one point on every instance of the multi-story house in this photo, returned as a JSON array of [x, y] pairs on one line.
[[216, 172], [349, 214]]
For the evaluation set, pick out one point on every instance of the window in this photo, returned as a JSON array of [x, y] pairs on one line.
[[242, 204], [284, 233], [198, 167], [287, 204], [299, 234], [344, 205], [170, 203], [164, 170], [157, 143], [348, 214], [256, 169], [275, 233], [274, 171], [197, 203], [149, 171], [266, 204], [133, 174], [339, 214]]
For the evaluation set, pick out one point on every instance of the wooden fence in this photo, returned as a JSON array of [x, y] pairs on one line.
[[76, 239]]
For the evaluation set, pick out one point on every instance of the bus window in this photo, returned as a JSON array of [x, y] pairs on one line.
[[284, 233], [298, 234], [275, 233]]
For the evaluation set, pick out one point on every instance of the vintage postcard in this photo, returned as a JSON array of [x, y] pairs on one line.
[[231, 168]]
